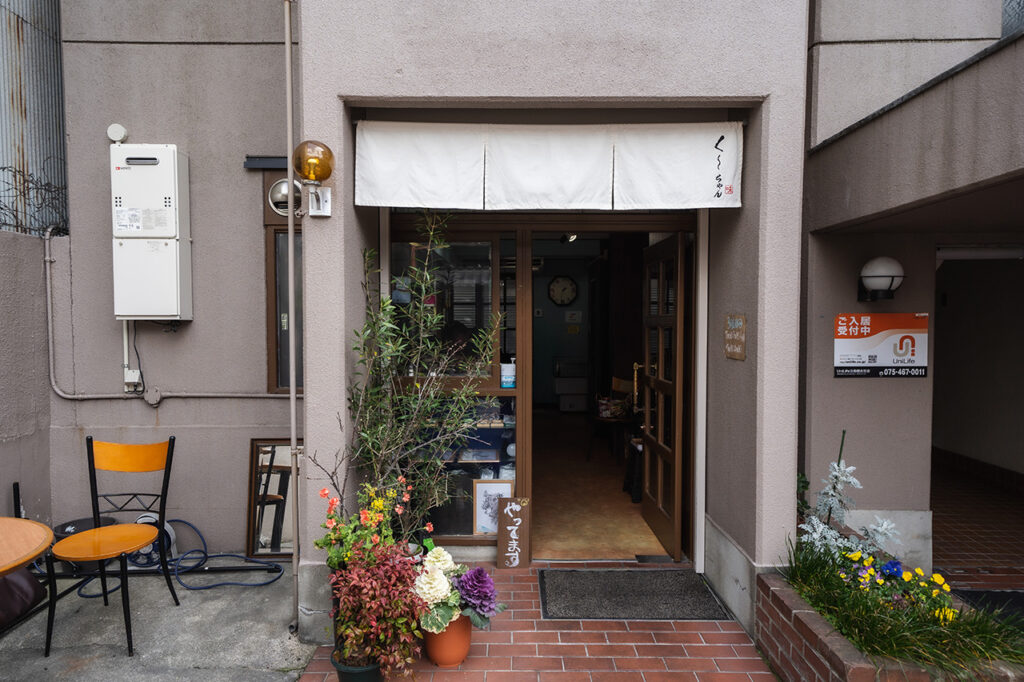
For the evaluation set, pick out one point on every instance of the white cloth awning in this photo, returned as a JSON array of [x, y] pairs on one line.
[[554, 167]]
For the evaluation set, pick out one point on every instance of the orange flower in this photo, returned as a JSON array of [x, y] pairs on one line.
[[401, 479], [399, 509], [430, 527], [364, 517], [405, 497], [408, 487], [324, 493], [375, 538], [329, 523], [332, 504]]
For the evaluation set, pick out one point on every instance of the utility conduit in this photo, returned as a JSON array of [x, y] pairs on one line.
[[154, 401]]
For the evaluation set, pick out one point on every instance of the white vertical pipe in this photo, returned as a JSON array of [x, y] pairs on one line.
[[124, 337], [700, 432], [292, 401]]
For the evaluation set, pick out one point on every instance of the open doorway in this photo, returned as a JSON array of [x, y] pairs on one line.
[[977, 436], [607, 479]]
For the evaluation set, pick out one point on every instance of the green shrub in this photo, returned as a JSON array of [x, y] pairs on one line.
[[888, 611]]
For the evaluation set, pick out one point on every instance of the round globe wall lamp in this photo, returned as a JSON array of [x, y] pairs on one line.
[[879, 278], [314, 162]]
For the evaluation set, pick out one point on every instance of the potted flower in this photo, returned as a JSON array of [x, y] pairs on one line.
[[451, 591], [376, 611]]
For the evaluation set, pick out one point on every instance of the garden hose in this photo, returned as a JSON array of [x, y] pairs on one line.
[[151, 559]]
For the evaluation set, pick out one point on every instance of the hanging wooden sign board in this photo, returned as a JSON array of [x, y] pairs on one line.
[[513, 532]]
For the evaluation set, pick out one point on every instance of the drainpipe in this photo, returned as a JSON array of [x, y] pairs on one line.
[[292, 394]]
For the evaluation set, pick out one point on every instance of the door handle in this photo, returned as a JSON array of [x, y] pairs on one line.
[[636, 385]]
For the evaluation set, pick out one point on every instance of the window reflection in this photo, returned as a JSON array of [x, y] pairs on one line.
[[464, 279]]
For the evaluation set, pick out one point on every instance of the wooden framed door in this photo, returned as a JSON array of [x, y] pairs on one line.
[[661, 381]]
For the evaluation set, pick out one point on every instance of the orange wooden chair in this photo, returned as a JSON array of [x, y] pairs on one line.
[[106, 542]]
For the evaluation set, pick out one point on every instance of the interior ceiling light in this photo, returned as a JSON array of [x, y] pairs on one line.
[[568, 237]]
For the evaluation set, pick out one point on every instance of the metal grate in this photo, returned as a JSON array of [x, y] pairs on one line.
[[33, 179]]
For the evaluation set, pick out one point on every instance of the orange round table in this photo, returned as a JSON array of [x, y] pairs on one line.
[[23, 541]]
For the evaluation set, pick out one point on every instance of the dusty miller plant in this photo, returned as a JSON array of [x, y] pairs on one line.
[[832, 505], [406, 407]]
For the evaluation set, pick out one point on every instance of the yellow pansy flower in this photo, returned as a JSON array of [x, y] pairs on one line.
[[945, 588], [935, 593], [907, 575], [937, 579], [879, 581], [870, 560], [855, 556], [919, 571]]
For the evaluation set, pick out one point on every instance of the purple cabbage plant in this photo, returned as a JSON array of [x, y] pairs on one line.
[[479, 596]]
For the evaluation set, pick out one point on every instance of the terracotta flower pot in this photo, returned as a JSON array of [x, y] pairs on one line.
[[449, 648]]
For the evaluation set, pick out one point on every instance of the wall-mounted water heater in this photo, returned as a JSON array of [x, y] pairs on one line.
[[151, 239]]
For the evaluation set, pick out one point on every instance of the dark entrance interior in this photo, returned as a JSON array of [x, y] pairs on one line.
[[588, 292], [977, 434]]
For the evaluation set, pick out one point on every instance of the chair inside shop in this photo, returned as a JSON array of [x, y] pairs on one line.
[[118, 541], [615, 417]]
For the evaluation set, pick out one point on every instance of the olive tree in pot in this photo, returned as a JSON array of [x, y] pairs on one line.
[[413, 397]]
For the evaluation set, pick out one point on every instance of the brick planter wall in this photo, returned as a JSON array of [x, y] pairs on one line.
[[801, 645]]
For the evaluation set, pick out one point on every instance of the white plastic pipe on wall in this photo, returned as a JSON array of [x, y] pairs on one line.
[[48, 261]]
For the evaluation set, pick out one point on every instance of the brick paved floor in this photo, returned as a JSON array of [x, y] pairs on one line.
[[977, 538], [522, 647]]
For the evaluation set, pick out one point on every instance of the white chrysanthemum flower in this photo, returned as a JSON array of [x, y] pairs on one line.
[[432, 586], [438, 558]]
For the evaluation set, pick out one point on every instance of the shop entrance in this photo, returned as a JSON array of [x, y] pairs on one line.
[[591, 411], [611, 375]]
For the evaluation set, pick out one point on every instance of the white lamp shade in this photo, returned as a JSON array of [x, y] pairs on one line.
[[882, 274]]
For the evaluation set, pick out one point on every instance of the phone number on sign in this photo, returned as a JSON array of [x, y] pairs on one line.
[[902, 372]]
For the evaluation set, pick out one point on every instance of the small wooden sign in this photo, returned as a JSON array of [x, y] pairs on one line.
[[513, 532], [736, 337]]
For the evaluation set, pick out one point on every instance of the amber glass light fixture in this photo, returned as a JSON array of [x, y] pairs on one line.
[[313, 161]]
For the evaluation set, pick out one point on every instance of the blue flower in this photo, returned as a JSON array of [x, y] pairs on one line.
[[893, 568]]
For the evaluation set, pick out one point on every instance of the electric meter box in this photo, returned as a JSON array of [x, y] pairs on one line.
[[151, 239]]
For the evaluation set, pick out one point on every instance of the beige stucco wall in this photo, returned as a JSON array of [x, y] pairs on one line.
[[864, 55], [887, 420], [206, 77], [937, 143], [575, 56], [977, 374], [25, 406]]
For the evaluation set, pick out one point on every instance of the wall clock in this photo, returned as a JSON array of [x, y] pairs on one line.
[[562, 290]]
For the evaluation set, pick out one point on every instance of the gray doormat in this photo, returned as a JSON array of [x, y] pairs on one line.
[[624, 594], [1008, 603]]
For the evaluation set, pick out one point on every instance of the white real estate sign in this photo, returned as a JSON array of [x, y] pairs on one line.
[[881, 345]]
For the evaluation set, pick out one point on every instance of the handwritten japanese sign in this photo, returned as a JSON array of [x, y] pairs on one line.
[[880, 345], [736, 337], [513, 532]]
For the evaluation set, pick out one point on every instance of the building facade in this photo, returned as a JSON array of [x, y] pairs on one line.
[[832, 174]]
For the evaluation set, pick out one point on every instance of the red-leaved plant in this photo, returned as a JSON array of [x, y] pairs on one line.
[[377, 614]]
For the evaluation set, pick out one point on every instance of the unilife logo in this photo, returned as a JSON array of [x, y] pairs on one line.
[[905, 346]]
